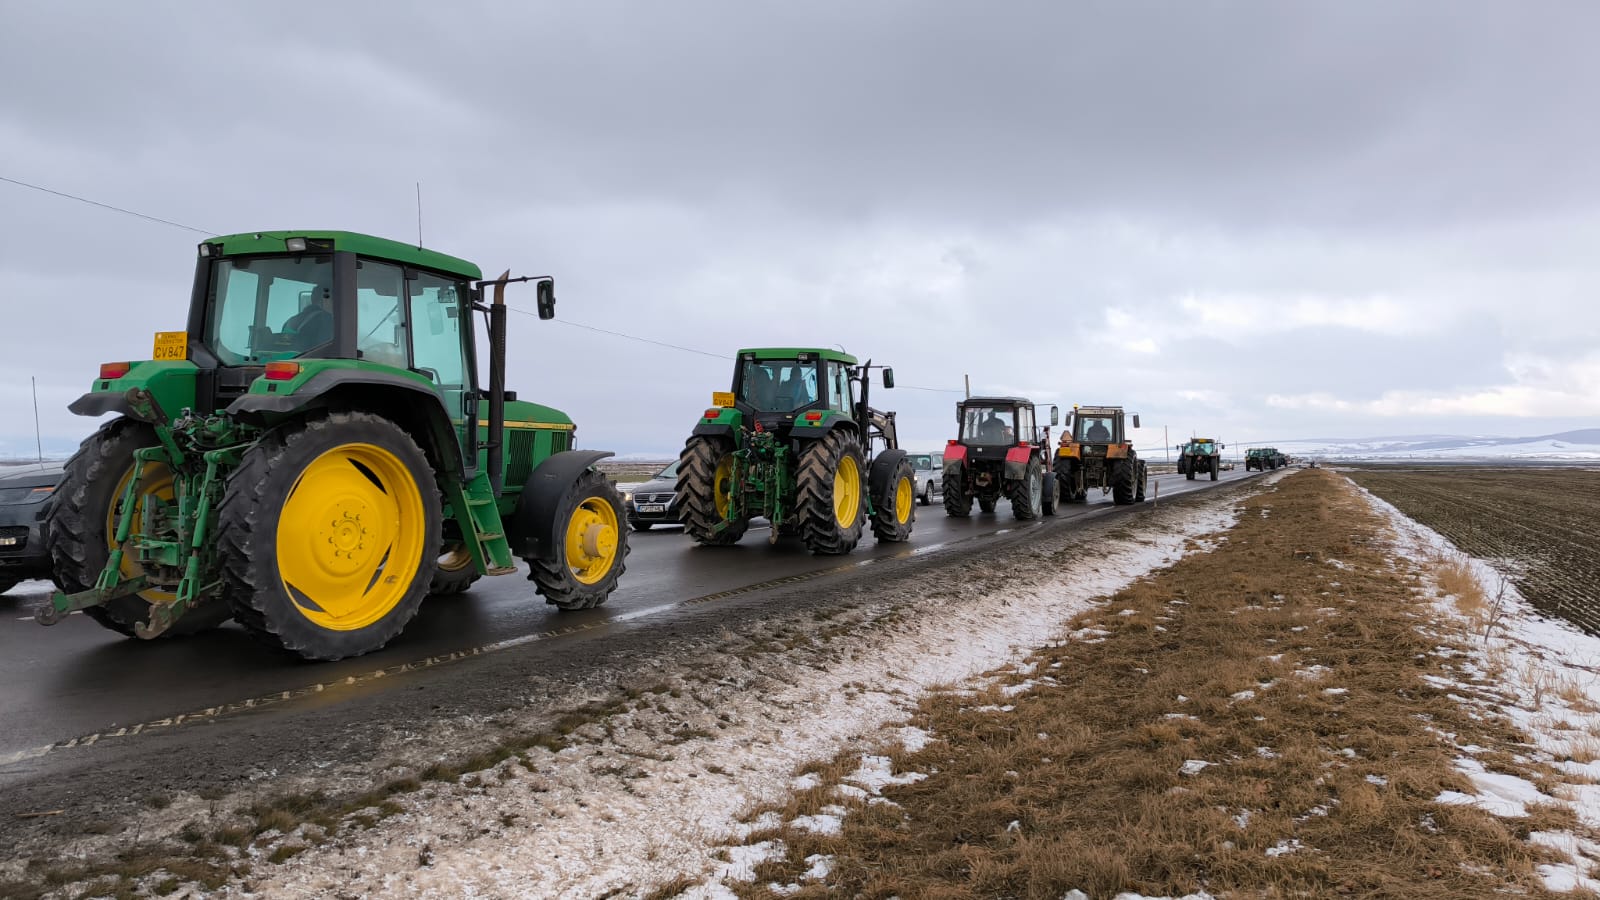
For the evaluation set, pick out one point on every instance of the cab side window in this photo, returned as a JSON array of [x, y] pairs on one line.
[[380, 321], [436, 313], [838, 387]]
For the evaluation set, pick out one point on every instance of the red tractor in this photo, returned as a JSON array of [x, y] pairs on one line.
[[1001, 453]]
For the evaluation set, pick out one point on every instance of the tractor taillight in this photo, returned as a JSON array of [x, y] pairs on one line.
[[114, 370], [814, 416], [282, 371], [713, 412]]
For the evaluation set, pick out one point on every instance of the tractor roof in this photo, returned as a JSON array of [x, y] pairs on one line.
[[1202, 440], [793, 352], [362, 244], [1097, 410], [996, 401]]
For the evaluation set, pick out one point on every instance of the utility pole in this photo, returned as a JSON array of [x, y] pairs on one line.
[[1167, 440]]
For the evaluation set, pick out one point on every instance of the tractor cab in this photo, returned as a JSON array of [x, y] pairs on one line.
[[1099, 425], [989, 426], [773, 390]]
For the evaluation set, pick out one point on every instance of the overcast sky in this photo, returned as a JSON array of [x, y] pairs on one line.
[[1259, 221]]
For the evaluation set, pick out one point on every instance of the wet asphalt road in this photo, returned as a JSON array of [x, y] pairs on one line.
[[76, 678]]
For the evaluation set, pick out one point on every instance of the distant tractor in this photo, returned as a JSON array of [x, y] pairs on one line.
[[1001, 453], [1096, 452], [314, 456], [1262, 459], [797, 442], [1200, 456]]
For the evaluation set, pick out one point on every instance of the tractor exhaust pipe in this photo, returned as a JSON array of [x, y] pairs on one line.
[[497, 385]]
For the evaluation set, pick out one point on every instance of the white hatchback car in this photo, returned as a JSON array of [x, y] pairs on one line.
[[929, 469]]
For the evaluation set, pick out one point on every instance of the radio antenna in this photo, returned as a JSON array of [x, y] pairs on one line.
[[38, 436], [419, 215]]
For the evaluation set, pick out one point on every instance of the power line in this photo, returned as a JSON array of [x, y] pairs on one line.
[[594, 328], [126, 212]]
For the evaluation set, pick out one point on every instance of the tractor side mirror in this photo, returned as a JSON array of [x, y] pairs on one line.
[[1222, 446], [1055, 415], [545, 291], [1136, 420], [888, 377]]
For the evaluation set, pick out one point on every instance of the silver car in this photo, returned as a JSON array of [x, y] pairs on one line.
[[929, 469]]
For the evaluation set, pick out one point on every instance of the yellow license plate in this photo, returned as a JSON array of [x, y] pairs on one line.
[[171, 345], [722, 398]]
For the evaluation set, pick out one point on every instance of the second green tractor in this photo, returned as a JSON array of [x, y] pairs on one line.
[[797, 442]]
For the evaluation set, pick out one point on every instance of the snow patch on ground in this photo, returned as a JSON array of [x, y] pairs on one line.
[[626, 807]]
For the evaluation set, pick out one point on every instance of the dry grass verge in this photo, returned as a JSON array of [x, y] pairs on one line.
[[1253, 721]]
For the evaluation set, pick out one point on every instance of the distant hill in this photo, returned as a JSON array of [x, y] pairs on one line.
[[1583, 444]]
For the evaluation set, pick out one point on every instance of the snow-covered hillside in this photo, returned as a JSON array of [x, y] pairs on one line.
[[1570, 446]]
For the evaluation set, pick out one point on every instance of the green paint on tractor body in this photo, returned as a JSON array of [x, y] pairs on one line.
[[289, 327]]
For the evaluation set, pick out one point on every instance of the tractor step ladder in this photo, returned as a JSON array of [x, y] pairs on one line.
[[486, 532]]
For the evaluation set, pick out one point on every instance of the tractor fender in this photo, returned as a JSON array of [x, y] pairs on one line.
[[955, 458], [714, 429], [410, 404], [821, 429], [531, 530], [879, 486], [1017, 459]]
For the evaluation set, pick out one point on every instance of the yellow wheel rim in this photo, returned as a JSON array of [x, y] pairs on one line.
[[902, 501], [592, 540], [454, 558], [350, 537], [847, 491], [155, 481], [722, 485]]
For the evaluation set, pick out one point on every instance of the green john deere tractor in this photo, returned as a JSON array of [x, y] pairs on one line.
[[794, 441], [314, 456], [1200, 456]]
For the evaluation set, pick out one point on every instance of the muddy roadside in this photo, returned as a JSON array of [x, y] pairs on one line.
[[685, 724]]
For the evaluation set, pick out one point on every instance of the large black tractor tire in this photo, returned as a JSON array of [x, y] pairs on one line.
[[1052, 494], [705, 471], [591, 545], [1144, 477], [1124, 482], [895, 509], [1027, 495], [328, 591], [1187, 470], [455, 572], [830, 494], [957, 502], [1183, 467], [1067, 483], [83, 516], [1216, 467]]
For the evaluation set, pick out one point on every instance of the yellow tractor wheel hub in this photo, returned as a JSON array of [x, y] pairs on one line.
[[592, 539], [350, 537], [902, 501], [847, 492], [722, 485]]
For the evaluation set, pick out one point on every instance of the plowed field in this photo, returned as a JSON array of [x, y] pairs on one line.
[[1540, 526]]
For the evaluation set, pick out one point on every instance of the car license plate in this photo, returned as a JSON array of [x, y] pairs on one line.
[[652, 507], [8, 542]]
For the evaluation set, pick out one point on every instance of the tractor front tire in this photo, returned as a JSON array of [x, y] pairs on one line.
[[1027, 494], [829, 490], [1052, 493], [330, 535], [1124, 482], [705, 475], [591, 546], [83, 518], [957, 502], [455, 572], [895, 513]]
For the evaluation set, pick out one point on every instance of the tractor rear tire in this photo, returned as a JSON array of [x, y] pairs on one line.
[[1052, 489], [591, 546], [348, 587], [957, 502], [1124, 482], [896, 513], [1216, 467], [1067, 483], [705, 470], [1188, 471], [455, 572], [1027, 495], [830, 487], [1138, 494], [83, 518]]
